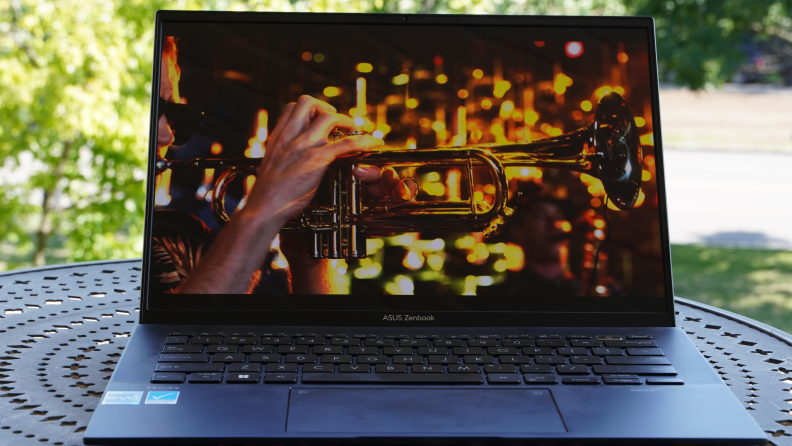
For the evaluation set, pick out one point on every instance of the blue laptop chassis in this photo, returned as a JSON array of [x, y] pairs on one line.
[[702, 411]]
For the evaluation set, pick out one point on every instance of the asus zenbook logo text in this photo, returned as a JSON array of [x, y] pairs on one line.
[[407, 318]]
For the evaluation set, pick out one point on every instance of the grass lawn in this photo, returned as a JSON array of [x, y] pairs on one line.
[[755, 283]]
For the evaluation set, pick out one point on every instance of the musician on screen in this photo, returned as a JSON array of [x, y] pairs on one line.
[[297, 156]]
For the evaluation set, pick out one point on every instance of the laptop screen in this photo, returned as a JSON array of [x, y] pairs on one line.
[[517, 170]]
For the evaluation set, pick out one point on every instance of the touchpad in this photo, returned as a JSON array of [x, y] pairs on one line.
[[423, 410]]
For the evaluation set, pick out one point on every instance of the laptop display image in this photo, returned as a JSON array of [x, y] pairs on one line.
[[492, 264]]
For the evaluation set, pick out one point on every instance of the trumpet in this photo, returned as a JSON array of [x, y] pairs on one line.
[[340, 221]]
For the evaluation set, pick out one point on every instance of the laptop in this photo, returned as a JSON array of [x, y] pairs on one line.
[[379, 229]]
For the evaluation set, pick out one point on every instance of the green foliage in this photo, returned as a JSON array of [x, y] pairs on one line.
[[699, 41], [754, 283]]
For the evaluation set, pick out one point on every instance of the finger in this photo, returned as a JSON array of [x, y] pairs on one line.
[[320, 128], [351, 144], [306, 110], [367, 174], [284, 118]]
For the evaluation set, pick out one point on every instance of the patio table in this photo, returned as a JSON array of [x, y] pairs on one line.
[[63, 329]]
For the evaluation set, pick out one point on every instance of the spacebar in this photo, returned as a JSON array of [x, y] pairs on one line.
[[391, 378]]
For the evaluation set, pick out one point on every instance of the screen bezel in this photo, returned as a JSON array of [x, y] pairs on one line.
[[373, 318]]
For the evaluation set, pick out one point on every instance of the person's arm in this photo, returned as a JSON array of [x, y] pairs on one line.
[[296, 159]]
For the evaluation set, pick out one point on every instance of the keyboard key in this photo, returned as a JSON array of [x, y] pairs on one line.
[[249, 334], [168, 377], [336, 359], [649, 351], [284, 349], [356, 350], [448, 343], [620, 375], [301, 359], [569, 351], [483, 343], [447, 359], [206, 377], [605, 351], [500, 368], [258, 349], [637, 360], [243, 377], [536, 368], [390, 368], [535, 378], [396, 336], [174, 340], [182, 349], [537, 351], [518, 343], [630, 343], [212, 333], [244, 368], [589, 359], [407, 360], [432, 368], [380, 343], [319, 368], [503, 351], [189, 368], [353, 368], [551, 343], [390, 351], [229, 357], [392, 378], [578, 336], [184, 358], [207, 340], [310, 341], [549, 336], [609, 337], [221, 349], [337, 335], [274, 340], [181, 333], [414, 343], [503, 378], [433, 351], [466, 368], [572, 369], [285, 378], [334, 350], [549, 359], [518, 336], [345, 341], [645, 337], [260, 357], [585, 343], [657, 370], [241, 340], [468, 351], [304, 335], [479, 359], [664, 381], [580, 380], [372, 359], [281, 368], [621, 380], [456, 337], [515, 359]]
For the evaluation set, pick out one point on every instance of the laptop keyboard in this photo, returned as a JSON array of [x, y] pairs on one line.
[[337, 358]]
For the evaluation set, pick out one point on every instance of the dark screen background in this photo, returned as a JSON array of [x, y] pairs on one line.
[[425, 87]]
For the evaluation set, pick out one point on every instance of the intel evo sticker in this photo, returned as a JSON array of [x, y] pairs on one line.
[[162, 397], [122, 397]]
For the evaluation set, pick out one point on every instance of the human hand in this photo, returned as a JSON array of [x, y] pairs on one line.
[[297, 157], [384, 185]]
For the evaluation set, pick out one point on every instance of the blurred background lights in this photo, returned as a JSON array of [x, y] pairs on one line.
[[364, 67], [318, 57], [441, 78], [478, 74], [574, 49], [400, 79], [331, 92]]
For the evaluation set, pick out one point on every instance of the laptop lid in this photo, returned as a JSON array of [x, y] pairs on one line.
[[529, 148]]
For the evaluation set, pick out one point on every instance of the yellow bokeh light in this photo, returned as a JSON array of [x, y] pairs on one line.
[[331, 92], [623, 58], [217, 148], [556, 132], [478, 74], [506, 109], [412, 103], [646, 175], [463, 94], [639, 121], [438, 126], [424, 122], [649, 160], [514, 256], [486, 104], [531, 117], [433, 189], [619, 90], [413, 260], [501, 265], [585, 106], [435, 262], [364, 67], [566, 226], [478, 195], [501, 87], [318, 57], [562, 81], [441, 78], [599, 223], [640, 200], [647, 139], [602, 91], [400, 79]]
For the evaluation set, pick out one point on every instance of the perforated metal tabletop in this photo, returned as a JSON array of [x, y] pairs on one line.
[[63, 328]]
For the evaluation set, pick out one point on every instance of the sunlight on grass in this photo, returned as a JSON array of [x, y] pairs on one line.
[[755, 283]]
